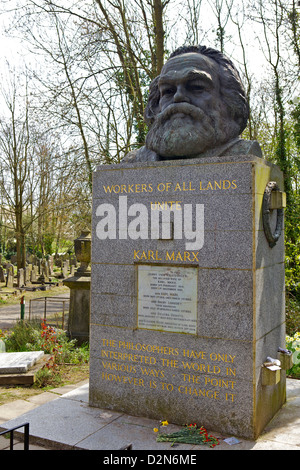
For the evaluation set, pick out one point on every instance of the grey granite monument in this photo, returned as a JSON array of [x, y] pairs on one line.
[[187, 278]]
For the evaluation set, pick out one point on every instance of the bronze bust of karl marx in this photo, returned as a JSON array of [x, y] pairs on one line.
[[197, 107]]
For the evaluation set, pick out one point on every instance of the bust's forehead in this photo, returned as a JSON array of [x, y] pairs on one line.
[[190, 60]]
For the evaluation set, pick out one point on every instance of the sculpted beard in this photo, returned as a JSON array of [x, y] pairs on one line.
[[183, 129]]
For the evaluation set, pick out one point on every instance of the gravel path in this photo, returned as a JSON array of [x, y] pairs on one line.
[[9, 314]]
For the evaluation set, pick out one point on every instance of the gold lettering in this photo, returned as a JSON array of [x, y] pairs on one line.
[[123, 362], [109, 342], [230, 371], [130, 188], [123, 379], [229, 395], [165, 205], [215, 185], [189, 188], [163, 186], [198, 392], [170, 363], [170, 256], [219, 382], [224, 184], [153, 372], [221, 357], [147, 255], [191, 378], [194, 354]]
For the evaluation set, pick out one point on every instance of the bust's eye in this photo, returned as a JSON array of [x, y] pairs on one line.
[[168, 91], [196, 87]]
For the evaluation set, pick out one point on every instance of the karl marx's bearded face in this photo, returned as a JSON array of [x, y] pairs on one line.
[[192, 115]]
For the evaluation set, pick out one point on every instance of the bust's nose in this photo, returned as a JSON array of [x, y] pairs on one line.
[[181, 95]]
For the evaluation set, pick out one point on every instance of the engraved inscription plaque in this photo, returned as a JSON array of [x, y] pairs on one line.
[[167, 298]]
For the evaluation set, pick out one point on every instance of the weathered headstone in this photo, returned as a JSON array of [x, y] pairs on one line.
[[65, 269], [20, 278], [51, 265], [2, 276], [33, 276], [187, 288], [9, 275], [45, 270], [26, 274]]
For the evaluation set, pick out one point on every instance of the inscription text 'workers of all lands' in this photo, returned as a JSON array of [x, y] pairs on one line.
[[137, 221]]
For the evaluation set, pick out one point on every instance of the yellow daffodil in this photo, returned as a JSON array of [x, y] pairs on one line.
[[164, 423], [155, 430]]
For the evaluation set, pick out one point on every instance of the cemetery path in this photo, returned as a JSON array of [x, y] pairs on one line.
[[9, 314]]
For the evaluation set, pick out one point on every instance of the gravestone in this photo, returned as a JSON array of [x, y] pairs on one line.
[[21, 278], [27, 274], [65, 269], [2, 277], [187, 283], [51, 265], [9, 275], [18, 362], [33, 275]]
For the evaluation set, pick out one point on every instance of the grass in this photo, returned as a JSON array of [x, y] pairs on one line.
[[65, 374], [68, 363], [15, 299]]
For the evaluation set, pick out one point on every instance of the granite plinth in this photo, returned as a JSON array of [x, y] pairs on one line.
[[144, 358]]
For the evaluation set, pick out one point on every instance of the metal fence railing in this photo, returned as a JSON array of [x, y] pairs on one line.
[[11, 438], [54, 310]]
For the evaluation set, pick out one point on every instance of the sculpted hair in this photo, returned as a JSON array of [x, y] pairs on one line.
[[232, 89]]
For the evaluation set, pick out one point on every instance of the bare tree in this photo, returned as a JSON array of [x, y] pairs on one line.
[[16, 165]]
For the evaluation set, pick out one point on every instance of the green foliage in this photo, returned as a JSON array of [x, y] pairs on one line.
[[296, 123], [292, 316], [26, 336], [292, 251], [22, 335], [293, 344]]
